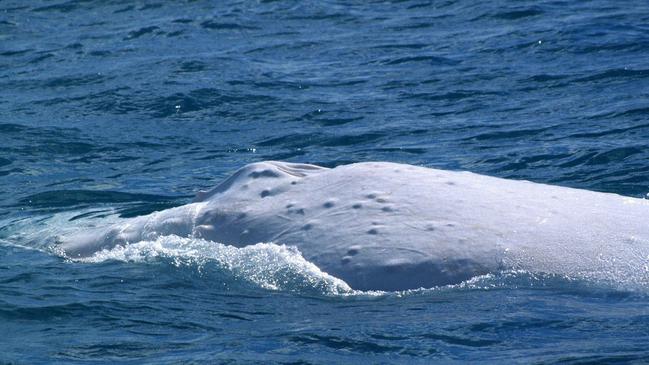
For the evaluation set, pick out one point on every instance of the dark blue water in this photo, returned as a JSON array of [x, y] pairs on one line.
[[120, 108]]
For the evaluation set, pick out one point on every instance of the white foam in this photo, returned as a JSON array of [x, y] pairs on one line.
[[270, 266]]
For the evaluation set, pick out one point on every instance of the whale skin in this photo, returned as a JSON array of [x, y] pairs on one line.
[[388, 226]]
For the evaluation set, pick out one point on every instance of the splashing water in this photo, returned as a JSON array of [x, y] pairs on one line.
[[270, 266]]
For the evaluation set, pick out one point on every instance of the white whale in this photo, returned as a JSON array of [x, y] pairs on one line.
[[390, 226]]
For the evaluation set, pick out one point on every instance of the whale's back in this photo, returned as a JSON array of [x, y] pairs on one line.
[[390, 226]]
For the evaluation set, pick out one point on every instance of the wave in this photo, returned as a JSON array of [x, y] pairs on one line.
[[267, 265]]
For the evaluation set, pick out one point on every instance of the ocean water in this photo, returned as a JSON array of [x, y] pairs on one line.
[[119, 108]]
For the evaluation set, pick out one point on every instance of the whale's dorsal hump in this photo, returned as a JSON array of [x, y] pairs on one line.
[[261, 170]]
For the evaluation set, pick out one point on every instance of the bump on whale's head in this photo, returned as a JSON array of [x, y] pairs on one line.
[[267, 170]]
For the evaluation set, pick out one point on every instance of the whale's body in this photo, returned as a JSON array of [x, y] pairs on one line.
[[392, 226]]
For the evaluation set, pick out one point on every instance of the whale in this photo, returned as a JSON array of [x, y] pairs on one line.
[[389, 226]]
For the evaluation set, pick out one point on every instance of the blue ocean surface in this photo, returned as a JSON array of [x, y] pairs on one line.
[[120, 108]]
